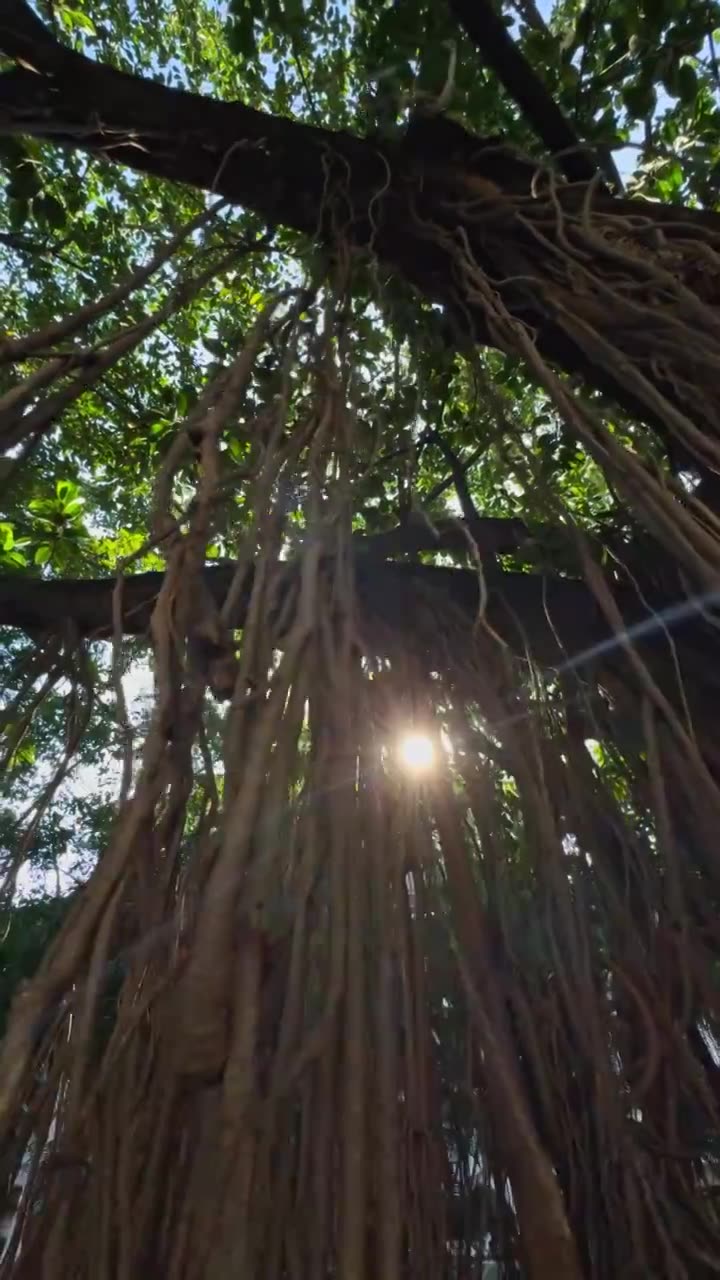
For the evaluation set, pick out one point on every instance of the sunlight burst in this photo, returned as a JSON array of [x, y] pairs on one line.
[[416, 752]]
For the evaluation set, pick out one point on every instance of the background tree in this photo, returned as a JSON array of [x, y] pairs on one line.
[[377, 907]]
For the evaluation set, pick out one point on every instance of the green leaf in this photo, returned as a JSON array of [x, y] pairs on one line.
[[14, 559], [241, 37], [639, 98], [25, 182], [73, 505], [73, 19], [43, 553], [238, 449], [687, 83], [49, 210], [24, 753], [66, 491]]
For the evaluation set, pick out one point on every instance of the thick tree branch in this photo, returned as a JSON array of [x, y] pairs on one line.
[[271, 164], [460, 481], [493, 535], [26, 39], [483, 23], [530, 13], [427, 609], [393, 597]]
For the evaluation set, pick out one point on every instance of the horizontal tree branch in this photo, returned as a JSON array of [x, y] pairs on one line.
[[428, 609], [490, 536]]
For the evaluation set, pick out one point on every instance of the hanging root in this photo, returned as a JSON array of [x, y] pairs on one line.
[[315, 1014]]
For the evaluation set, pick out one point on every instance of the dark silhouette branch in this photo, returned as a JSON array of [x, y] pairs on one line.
[[24, 37], [397, 601], [427, 609], [492, 535], [483, 23], [460, 481]]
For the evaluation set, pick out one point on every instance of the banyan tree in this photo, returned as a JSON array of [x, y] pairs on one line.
[[360, 552]]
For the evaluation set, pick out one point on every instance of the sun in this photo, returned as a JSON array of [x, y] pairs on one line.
[[416, 752]]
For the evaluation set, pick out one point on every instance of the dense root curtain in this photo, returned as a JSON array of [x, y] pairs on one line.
[[317, 1013]]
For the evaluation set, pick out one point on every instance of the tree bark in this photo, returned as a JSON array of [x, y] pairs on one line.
[[554, 621]]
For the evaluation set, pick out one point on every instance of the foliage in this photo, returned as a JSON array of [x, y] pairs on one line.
[[27, 936]]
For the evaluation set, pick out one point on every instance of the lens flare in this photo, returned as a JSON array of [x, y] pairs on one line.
[[416, 752]]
